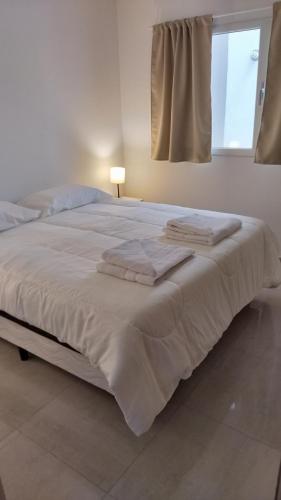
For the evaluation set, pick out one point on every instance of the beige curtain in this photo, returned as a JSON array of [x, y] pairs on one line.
[[180, 90], [269, 141]]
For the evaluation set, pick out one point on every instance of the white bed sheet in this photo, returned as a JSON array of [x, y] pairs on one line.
[[143, 339]]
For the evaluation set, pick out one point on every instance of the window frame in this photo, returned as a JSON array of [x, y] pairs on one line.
[[242, 22]]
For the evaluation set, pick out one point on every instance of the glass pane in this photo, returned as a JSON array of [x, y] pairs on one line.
[[234, 86]]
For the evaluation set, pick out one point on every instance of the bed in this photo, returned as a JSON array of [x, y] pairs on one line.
[[136, 342]]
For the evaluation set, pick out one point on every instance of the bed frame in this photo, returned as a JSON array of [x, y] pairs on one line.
[[30, 339]]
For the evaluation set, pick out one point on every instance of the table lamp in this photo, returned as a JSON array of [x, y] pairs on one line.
[[117, 176]]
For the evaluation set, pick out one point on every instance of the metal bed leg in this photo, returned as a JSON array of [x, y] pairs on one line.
[[24, 355]]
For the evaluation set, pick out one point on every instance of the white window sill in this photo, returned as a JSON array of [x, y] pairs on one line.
[[246, 153]]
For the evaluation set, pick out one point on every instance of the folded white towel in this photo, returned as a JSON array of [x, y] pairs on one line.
[[125, 274], [203, 229], [188, 238], [143, 261]]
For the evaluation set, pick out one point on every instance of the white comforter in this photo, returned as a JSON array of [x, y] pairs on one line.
[[143, 339]]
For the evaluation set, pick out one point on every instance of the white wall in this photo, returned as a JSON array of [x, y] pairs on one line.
[[229, 184], [59, 93]]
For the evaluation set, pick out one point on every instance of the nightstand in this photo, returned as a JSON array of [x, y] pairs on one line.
[[129, 198]]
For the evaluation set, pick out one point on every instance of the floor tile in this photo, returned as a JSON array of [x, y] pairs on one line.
[[197, 458], [30, 473], [244, 393], [84, 427], [278, 490], [26, 386], [8, 351], [5, 430]]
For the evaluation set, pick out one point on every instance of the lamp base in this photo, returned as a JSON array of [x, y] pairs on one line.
[[118, 192]]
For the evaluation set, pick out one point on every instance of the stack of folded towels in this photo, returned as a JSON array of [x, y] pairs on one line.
[[143, 261], [202, 229]]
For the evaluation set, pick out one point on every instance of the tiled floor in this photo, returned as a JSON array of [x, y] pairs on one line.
[[218, 439]]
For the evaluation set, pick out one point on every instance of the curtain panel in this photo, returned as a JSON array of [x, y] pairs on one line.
[[269, 142], [181, 122]]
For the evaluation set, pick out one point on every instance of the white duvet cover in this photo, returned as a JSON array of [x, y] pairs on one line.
[[143, 339]]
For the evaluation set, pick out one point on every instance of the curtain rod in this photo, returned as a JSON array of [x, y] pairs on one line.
[[235, 13]]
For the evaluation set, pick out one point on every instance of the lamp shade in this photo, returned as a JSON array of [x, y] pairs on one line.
[[117, 175]]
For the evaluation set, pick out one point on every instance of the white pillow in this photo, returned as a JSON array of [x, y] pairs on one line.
[[12, 215], [66, 197]]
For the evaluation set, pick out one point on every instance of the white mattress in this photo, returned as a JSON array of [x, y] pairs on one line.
[[143, 339]]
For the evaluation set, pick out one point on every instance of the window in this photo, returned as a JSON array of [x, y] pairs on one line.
[[239, 57]]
